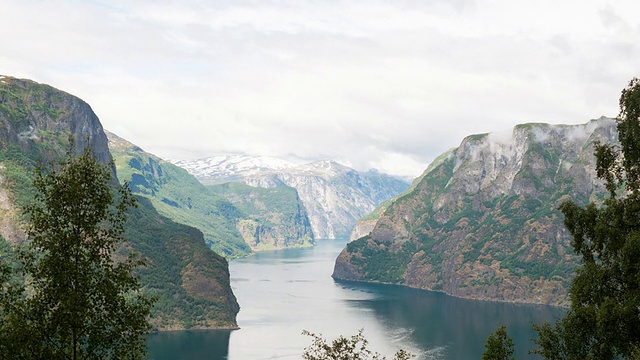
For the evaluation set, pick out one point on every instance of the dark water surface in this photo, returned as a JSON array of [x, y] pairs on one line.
[[284, 292]]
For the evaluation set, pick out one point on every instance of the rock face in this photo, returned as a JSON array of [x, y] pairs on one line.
[[37, 125], [40, 120], [235, 220], [274, 218], [179, 196], [482, 221], [333, 195]]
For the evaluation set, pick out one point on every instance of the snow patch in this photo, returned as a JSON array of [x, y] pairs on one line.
[[225, 166]]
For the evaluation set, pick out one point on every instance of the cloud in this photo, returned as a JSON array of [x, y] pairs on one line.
[[368, 83]]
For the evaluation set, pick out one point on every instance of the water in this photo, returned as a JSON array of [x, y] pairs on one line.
[[284, 292]]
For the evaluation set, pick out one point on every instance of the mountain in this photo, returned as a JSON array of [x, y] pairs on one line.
[[38, 124], [235, 220], [179, 196], [231, 168], [334, 195], [275, 217], [482, 220]]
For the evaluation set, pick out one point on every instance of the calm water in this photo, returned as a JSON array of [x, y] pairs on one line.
[[282, 293]]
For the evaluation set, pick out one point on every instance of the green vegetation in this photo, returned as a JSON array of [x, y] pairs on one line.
[[342, 348], [604, 319], [276, 214], [179, 196], [499, 346], [189, 281], [81, 302], [381, 264]]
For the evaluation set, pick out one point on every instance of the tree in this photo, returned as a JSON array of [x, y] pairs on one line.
[[499, 346], [81, 299], [342, 348], [604, 319]]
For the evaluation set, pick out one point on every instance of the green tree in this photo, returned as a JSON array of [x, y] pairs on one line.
[[499, 346], [604, 319], [80, 299], [342, 348]]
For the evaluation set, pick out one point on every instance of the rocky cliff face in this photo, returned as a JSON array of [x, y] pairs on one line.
[[333, 195], [482, 221], [235, 220], [37, 125], [179, 196], [39, 120], [275, 217]]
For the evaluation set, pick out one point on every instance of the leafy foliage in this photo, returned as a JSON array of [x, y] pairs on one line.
[[190, 282], [604, 319], [342, 348], [81, 301], [499, 346]]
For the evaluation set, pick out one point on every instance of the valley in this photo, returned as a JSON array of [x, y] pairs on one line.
[[480, 223]]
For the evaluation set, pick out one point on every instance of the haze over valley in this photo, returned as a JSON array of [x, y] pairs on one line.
[[421, 173]]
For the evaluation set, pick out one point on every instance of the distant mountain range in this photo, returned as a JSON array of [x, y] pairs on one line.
[[482, 221], [231, 168], [235, 221], [334, 195]]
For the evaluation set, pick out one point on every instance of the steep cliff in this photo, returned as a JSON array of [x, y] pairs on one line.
[[482, 221], [179, 196], [39, 119], [334, 196], [275, 217], [37, 123], [235, 220]]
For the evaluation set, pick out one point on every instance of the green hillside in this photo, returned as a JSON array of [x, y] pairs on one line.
[[483, 221], [37, 121], [275, 219], [179, 196], [198, 295]]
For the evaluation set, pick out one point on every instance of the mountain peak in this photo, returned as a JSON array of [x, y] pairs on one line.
[[224, 168], [482, 220]]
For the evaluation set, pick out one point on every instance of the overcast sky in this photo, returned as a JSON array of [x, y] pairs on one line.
[[371, 84]]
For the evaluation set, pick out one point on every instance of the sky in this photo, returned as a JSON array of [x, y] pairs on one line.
[[385, 84]]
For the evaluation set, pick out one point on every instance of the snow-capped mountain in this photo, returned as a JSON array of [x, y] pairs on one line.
[[227, 168], [334, 195]]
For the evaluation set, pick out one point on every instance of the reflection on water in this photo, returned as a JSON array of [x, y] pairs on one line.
[[188, 345], [283, 292], [457, 327]]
